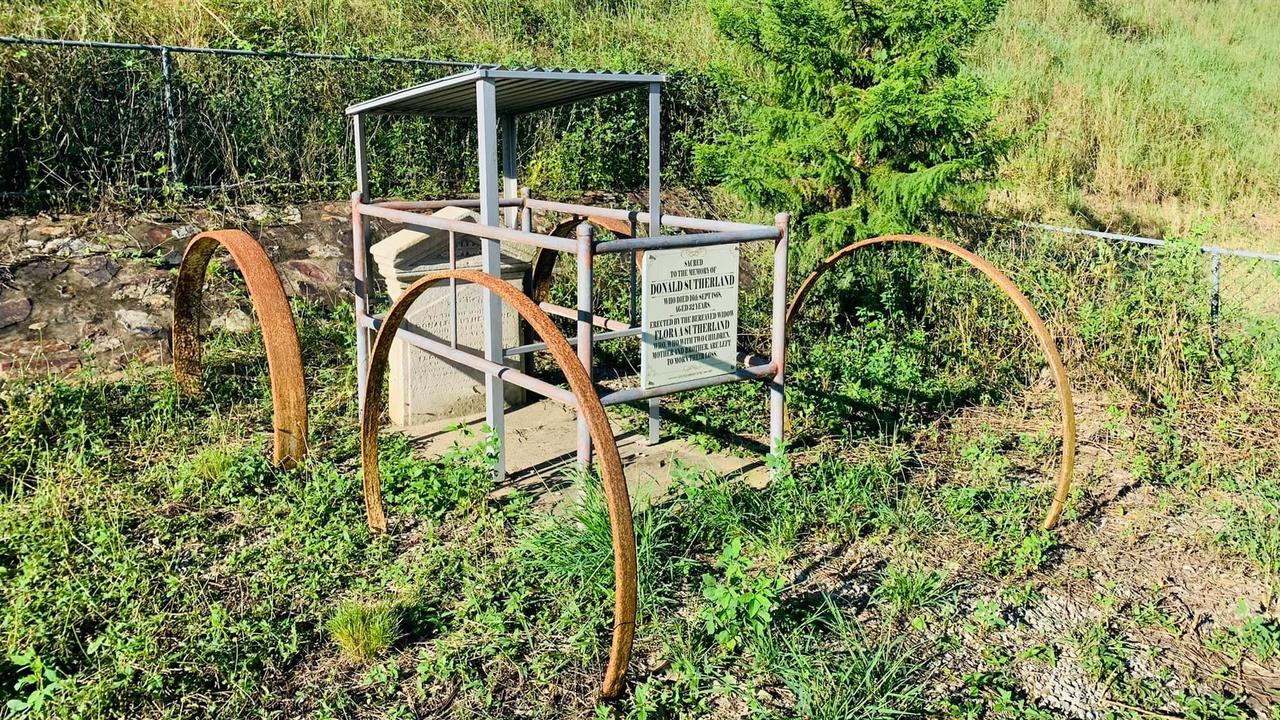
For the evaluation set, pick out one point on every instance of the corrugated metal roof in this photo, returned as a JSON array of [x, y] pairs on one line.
[[517, 90]]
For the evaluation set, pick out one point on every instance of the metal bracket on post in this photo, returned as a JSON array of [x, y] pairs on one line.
[[491, 262]]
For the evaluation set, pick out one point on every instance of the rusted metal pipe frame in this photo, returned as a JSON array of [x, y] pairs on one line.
[[595, 337], [673, 242], [279, 334], [674, 221], [544, 265], [588, 403], [599, 321], [479, 230], [1024, 306], [765, 372], [468, 203]]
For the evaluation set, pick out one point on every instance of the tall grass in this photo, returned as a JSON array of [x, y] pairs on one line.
[[1145, 116], [608, 33], [1141, 114]]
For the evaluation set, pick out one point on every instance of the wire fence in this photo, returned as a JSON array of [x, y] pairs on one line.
[[85, 122], [95, 119], [91, 123], [1241, 284]]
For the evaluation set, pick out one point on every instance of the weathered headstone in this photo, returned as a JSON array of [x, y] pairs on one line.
[[422, 386]]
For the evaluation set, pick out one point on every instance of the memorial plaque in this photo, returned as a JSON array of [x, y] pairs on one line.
[[689, 314]]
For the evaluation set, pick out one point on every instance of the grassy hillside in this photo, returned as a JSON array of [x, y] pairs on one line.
[[1148, 116], [154, 566], [611, 33]]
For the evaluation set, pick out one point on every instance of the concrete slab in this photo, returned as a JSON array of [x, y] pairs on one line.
[[541, 447]]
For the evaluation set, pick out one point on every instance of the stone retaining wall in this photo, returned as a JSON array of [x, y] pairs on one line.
[[94, 289]]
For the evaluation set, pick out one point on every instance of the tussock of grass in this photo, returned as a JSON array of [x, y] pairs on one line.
[[364, 631]]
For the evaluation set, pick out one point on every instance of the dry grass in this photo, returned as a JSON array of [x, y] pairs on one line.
[[619, 34], [1152, 116]]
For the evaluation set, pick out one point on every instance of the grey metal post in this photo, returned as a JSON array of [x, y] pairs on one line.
[[1215, 279], [359, 254], [778, 341], [491, 262], [170, 113], [509, 187], [586, 259], [655, 218]]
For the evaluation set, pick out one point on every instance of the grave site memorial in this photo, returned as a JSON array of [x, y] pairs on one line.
[[466, 276], [694, 360]]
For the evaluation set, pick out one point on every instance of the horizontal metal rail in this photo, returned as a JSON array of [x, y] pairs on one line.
[[664, 242], [1207, 249], [468, 203], [264, 54], [595, 338], [491, 232], [597, 320], [758, 372], [471, 360], [641, 217]]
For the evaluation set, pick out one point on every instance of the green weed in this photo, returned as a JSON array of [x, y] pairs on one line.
[[740, 604], [835, 670], [907, 592]]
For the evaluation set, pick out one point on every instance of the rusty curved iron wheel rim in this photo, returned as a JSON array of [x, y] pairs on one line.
[[614, 482], [544, 261], [1047, 343], [279, 333]]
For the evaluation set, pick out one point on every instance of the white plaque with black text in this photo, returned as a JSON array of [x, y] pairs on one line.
[[689, 314]]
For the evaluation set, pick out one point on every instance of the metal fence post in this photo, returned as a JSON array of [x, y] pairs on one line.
[[778, 336], [170, 114], [1215, 294], [491, 263]]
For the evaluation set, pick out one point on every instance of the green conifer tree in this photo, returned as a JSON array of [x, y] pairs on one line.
[[861, 119]]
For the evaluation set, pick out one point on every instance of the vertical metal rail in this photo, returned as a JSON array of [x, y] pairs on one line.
[[453, 291], [778, 341], [170, 113], [491, 262], [359, 252], [586, 260], [631, 298], [509, 187], [655, 219], [1215, 295]]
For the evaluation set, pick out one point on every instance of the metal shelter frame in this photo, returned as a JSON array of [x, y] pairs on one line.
[[496, 97]]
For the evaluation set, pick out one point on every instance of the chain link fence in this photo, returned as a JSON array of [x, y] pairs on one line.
[[88, 123]]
